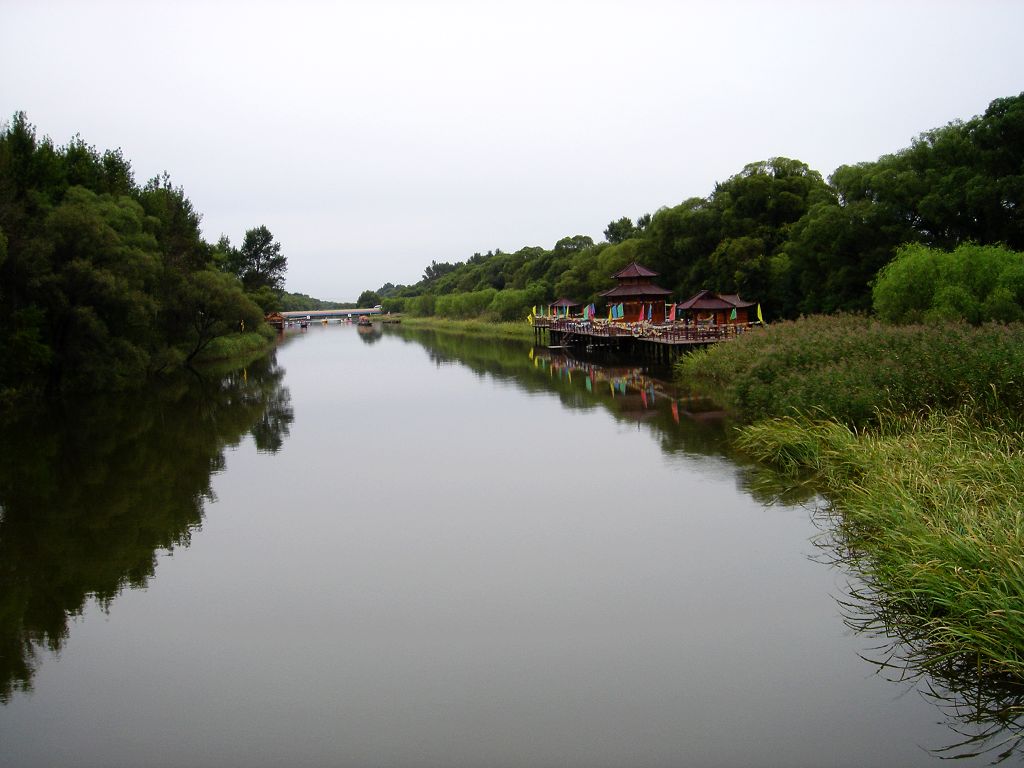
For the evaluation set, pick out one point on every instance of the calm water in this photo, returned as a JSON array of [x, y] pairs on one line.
[[405, 550]]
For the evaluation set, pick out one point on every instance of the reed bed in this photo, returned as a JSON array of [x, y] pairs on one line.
[[928, 508], [851, 368]]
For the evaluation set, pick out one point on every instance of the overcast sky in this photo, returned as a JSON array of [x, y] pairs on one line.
[[374, 137]]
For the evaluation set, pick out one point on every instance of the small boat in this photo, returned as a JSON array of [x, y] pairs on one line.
[[364, 320]]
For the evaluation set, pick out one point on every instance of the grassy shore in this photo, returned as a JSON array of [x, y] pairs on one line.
[[520, 331], [914, 436], [236, 346]]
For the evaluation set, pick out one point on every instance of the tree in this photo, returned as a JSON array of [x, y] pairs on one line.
[[976, 283], [259, 262], [618, 231], [212, 304], [368, 299]]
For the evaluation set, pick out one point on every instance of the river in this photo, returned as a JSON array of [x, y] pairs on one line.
[[391, 548]]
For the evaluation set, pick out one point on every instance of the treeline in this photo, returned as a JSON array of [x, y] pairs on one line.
[[776, 232], [104, 281]]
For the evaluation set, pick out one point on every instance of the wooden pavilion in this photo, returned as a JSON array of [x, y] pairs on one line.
[[717, 308], [562, 307], [635, 291]]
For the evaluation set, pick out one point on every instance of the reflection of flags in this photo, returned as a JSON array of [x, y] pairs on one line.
[[643, 397], [759, 318], [675, 411], [531, 353], [590, 385]]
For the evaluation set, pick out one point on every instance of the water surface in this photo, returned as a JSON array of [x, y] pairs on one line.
[[414, 550]]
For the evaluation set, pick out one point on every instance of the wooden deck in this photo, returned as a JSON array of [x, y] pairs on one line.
[[642, 339]]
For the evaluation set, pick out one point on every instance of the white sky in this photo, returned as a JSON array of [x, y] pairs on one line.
[[374, 137]]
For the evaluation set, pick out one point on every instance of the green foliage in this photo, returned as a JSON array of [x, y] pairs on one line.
[[368, 299], [293, 302], [464, 306], [927, 510], [101, 280], [975, 283], [620, 230], [258, 263], [511, 305], [850, 368]]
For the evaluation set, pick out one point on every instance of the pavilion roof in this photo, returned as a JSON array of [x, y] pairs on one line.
[[709, 300], [635, 289], [634, 270], [564, 303]]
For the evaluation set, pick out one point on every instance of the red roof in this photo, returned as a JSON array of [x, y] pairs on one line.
[[636, 289], [708, 300], [634, 270], [564, 303], [736, 301]]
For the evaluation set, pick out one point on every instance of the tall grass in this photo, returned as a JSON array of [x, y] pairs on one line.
[[850, 368], [929, 509]]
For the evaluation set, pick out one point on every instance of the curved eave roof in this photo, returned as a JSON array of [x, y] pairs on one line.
[[707, 300], [634, 270], [642, 289]]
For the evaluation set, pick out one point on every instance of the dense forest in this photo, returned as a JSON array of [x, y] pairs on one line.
[[776, 232], [103, 281]]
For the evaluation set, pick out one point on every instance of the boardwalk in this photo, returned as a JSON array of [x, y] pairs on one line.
[[661, 341]]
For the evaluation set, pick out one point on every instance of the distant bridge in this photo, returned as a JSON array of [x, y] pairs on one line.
[[326, 314]]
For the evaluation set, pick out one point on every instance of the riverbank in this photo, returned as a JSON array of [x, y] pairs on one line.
[[237, 347], [477, 328], [912, 434]]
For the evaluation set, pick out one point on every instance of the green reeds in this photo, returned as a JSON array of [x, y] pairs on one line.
[[929, 509], [850, 368]]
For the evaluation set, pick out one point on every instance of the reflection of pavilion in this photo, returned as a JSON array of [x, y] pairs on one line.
[[635, 392]]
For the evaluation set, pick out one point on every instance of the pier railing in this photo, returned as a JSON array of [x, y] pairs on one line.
[[679, 332]]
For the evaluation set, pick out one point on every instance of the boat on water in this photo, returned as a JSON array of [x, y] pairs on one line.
[[364, 320]]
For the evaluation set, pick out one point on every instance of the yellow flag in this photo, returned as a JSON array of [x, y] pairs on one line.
[[759, 318]]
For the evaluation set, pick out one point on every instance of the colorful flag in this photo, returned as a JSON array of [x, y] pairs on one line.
[[732, 315], [759, 318], [650, 312], [672, 313], [609, 312], [622, 311], [641, 318]]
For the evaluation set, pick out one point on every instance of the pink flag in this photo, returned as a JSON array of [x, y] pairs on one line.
[[643, 314], [672, 313]]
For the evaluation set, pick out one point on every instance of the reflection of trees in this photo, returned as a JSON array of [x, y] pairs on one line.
[[91, 489], [985, 712], [986, 715], [625, 391]]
